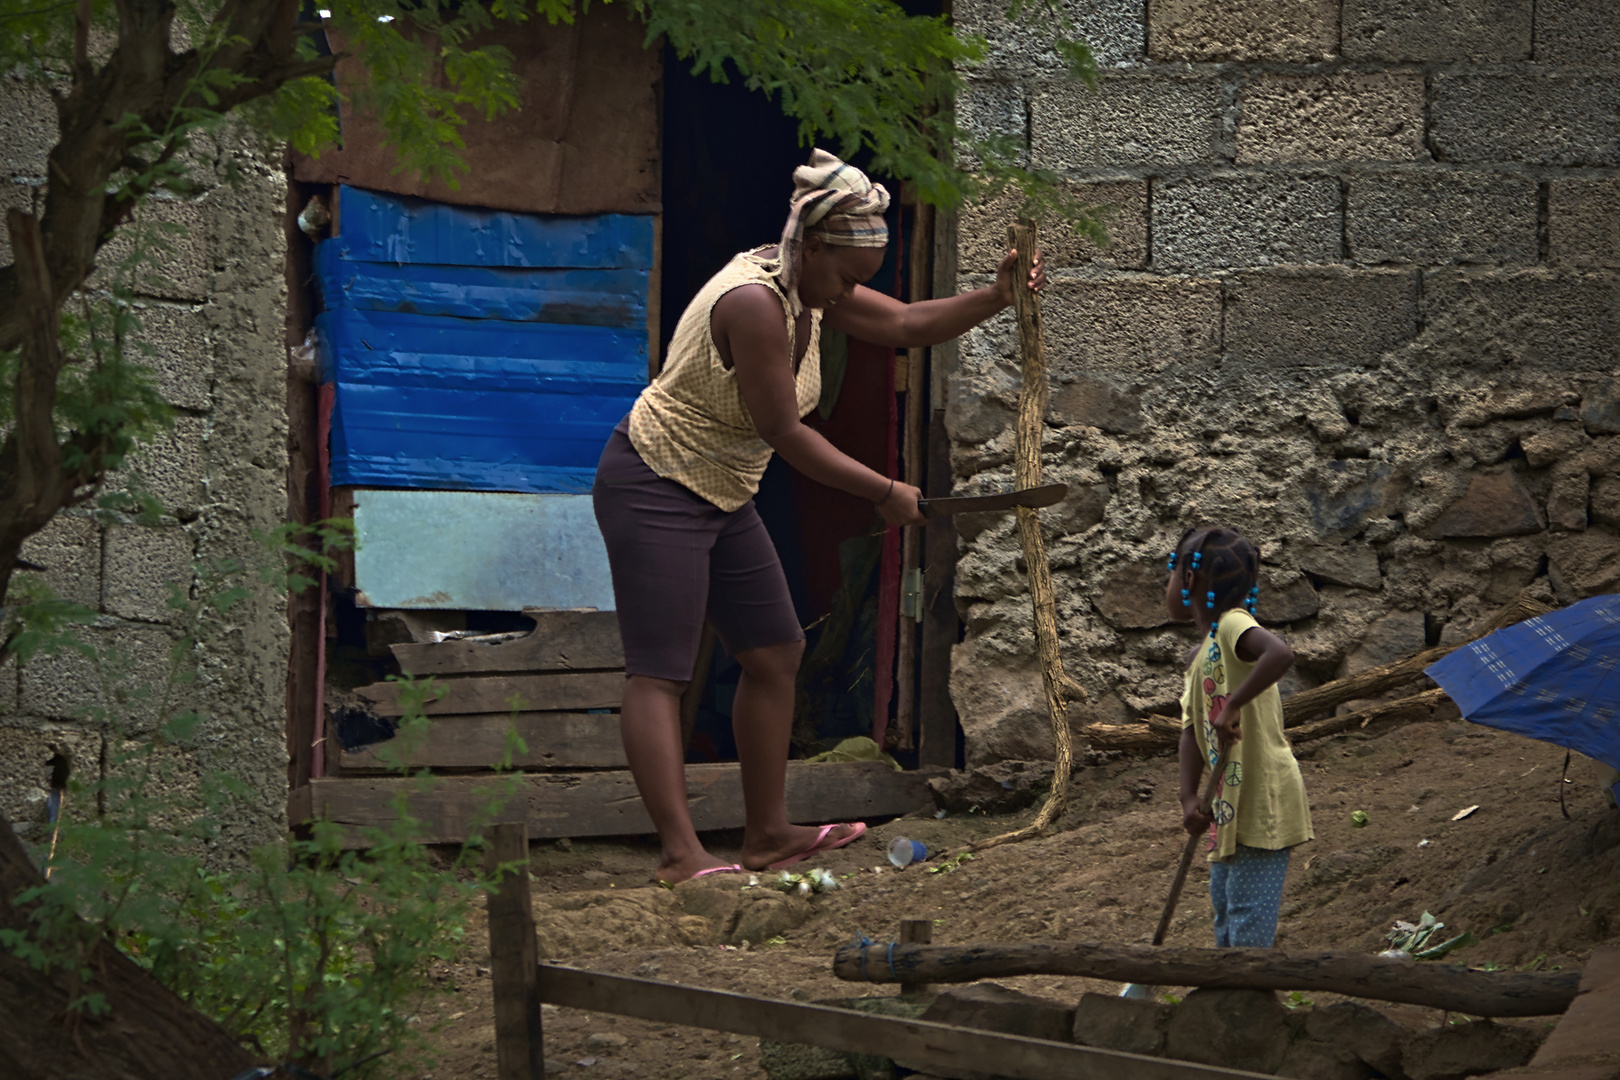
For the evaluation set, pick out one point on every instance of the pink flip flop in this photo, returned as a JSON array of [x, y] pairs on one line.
[[734, 868], [856, 831]]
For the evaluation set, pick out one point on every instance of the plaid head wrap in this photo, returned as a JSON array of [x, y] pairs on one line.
[[836, 202]]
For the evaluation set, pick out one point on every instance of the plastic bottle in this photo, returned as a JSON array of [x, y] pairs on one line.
[[903, 852]]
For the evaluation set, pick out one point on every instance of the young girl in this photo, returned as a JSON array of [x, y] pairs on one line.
[[1259, 811]]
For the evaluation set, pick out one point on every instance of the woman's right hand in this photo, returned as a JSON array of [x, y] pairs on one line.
[[1193, 818], [899, 506]]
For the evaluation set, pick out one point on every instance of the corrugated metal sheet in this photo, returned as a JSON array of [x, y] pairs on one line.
[[478, 350], [479, 551]]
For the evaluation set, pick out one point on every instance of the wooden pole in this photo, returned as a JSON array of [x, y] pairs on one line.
[[1441, 986], [1188, 851], [916, 932], [1031, 426], [514, 958], [905, 713]]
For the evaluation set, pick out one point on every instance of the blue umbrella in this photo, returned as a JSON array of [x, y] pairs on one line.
[[1555, 677]]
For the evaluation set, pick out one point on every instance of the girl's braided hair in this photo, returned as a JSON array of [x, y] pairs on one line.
[[1226, 565]]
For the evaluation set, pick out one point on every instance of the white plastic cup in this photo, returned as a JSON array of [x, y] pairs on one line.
[[903, 852]]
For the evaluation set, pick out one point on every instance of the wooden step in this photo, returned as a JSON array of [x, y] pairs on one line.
[[552, 740], [506, 694], [560, 641]]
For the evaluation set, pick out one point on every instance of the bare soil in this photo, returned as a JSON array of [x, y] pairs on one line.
[[1538, 890]]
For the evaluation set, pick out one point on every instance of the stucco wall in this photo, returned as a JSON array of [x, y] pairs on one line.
[[214, 316], [1362, 303]]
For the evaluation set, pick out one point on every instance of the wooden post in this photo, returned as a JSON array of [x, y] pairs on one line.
[[916, 932], [514, 959], [905, 713], [940, 631]]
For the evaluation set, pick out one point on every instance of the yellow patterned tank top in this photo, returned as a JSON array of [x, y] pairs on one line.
[[690, 424]]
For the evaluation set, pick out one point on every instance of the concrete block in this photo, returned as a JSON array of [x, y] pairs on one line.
[[1112, 29], [1583, 222], [1246, 221], [1140, 324], [1437, 30], [989, 110], [1105, 403], [139, 567], [174, 265], [1577, 32], [1441, 217], [179, 357], [1291, 31], [28, 128], [1566, 321], [982, 230], [124, 683], [1321, 318], [28, 764], [69, 548], [1331, 118], [172, 466], [1128, 121], [1543, 118]]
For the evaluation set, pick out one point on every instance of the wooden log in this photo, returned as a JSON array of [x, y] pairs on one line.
[[606, 803], [552, 740], [560, 641], [507, 694], [1442, 986], [919, 1044], [916, 932], [1333, 725], [514, 958]]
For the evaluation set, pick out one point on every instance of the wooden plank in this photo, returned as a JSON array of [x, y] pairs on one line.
[[917, 1044], [514, 959], [606, 803], [553, 740], [940, 631], [506, 693], [1441, 986], [560, 641], [1588, 1026]]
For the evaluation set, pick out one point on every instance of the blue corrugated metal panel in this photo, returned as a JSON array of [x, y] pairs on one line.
[[395, 229], [614, 297], [479, 551]]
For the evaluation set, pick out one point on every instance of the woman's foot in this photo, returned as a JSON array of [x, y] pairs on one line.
[[675, 871], [795, 843]]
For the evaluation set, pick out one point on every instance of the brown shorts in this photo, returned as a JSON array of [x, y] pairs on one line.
[[676, 559]]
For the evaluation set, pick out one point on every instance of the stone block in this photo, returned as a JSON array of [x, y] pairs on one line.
[[1604, 500], [1542, 118], [766, 915], [1437, 30], [1474, 408], [1584, 564], [1128, 1025], [1085, 506], [797, 1061], [171, 466], [173, 342], [1286, 596], [1566, 502], [28, 128], [991, 110], [125, 681], [1142, 324], [1168, 120], [1217, 1027], [983, 230], [1095, 401], [1132, 596], [979, 405], [1583, 222], [22, 197], [1114, 32], [1493, 503], [174, 265], [1563, 321], [1308, 1059], [139, 567], [28, 765], [1600, 408], [1577, 32], [1344, 496], [8, 686], [1290, 31], [1552, 445], [1395, 636], [69, 548], [1325, 318], [1353, 565], [1210, 222], [1469, 1049], [1365, 1032], [989, 1006], [1441, 217], [1003, 708], [1331, 118]]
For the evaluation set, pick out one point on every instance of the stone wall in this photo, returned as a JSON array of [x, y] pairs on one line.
[[213, 315], [1362, 303]]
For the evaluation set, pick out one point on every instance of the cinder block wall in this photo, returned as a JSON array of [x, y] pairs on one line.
[[213, 314], [1362, 303]]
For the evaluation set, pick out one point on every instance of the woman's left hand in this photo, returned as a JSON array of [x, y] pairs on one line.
[[1009, 267]]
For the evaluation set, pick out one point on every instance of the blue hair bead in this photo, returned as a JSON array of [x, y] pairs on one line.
[[1209, 599], [1214, 626], [1170, 564], [1186, 596], [1198, 557]]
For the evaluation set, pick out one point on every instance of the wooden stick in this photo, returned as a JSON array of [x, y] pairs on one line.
[[905, 709], [1192, 846], [514, 958], [918, 1044], [916, 932], [1031, 425], [1442, 986]]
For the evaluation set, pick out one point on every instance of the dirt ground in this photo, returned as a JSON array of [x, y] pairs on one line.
[[1538, 890]]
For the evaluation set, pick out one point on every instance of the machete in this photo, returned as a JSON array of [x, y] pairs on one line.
[[1045, 495]]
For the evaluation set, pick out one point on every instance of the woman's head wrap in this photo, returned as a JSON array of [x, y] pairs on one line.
[[836, 202]]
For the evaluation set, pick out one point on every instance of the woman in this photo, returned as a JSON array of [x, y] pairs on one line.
[[675, 485]]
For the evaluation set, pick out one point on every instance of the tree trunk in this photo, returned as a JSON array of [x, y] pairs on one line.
[[147, 1033], [1442, 986]]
